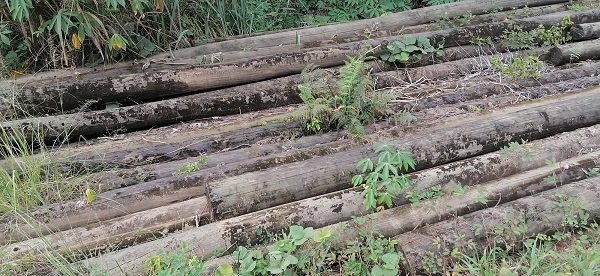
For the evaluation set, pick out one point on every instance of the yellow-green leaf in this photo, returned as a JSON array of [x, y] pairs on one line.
[[90, 195]]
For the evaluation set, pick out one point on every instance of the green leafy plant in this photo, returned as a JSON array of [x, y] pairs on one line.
[[591, 172], [410, 48], [383, 181], [180, 262], [346, 104], [417, 195], [445, 22], [439, 2], [192, 167], [528, 67]]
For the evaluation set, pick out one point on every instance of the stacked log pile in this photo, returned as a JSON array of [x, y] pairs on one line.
[[263, 176]]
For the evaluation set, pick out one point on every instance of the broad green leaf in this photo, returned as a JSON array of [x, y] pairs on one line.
[[357, 180], [409, 40], [411, 48], [404, 56]]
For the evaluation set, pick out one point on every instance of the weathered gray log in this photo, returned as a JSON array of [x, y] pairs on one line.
[[112, 234], [259, 190], [146, 191], [156, 171], [483, 91], [314, 212], [507, 187], [153, 194], [389, 22], [218, 103], [575, 52], [481, 19], [246, 152], [53, 77], [152, 85], [541, 213], [585, 31], [234, 100]]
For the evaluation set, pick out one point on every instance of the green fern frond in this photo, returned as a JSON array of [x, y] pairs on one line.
[[356, 128]]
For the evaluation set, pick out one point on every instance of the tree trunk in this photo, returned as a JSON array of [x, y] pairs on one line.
[[585, 31], [158, 61], [167, 83], [545, 218], [113, 234], [234, 100], [335, 207], [259, 190], [153, 194], [574, 52], [340, 31]]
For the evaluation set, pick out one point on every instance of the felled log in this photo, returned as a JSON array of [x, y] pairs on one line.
[[405, 218], [541, 213], [574, 52], [259, 190], [152, 194], [340, 31], [335, 207], [585, 31], [234, 100], [166, 83], [112, 234]]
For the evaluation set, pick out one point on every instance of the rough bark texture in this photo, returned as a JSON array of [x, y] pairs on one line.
[[228, 101], [113, 234], [405, 218], [153, 194], [153, 85], [541, 218], [339, 206], [244, 98], [585, 31], [389, 22], [259, 190], [574, 52]]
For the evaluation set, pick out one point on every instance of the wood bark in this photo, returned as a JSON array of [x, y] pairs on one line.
[[339, 206], [126, 177], [574, 52], [545, 218], [462, 96], [53, 77], [112, 234], [228, 101], [585, 31], [389, 22], [234, 100], [170, 185], [167, 83], [259, 190], [153, 194]]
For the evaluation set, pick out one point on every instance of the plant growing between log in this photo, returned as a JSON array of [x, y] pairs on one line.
[[347, 104], [410, 49], [528, 67], [384, 181], [518, 39], [369, 254], [192, 167]]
